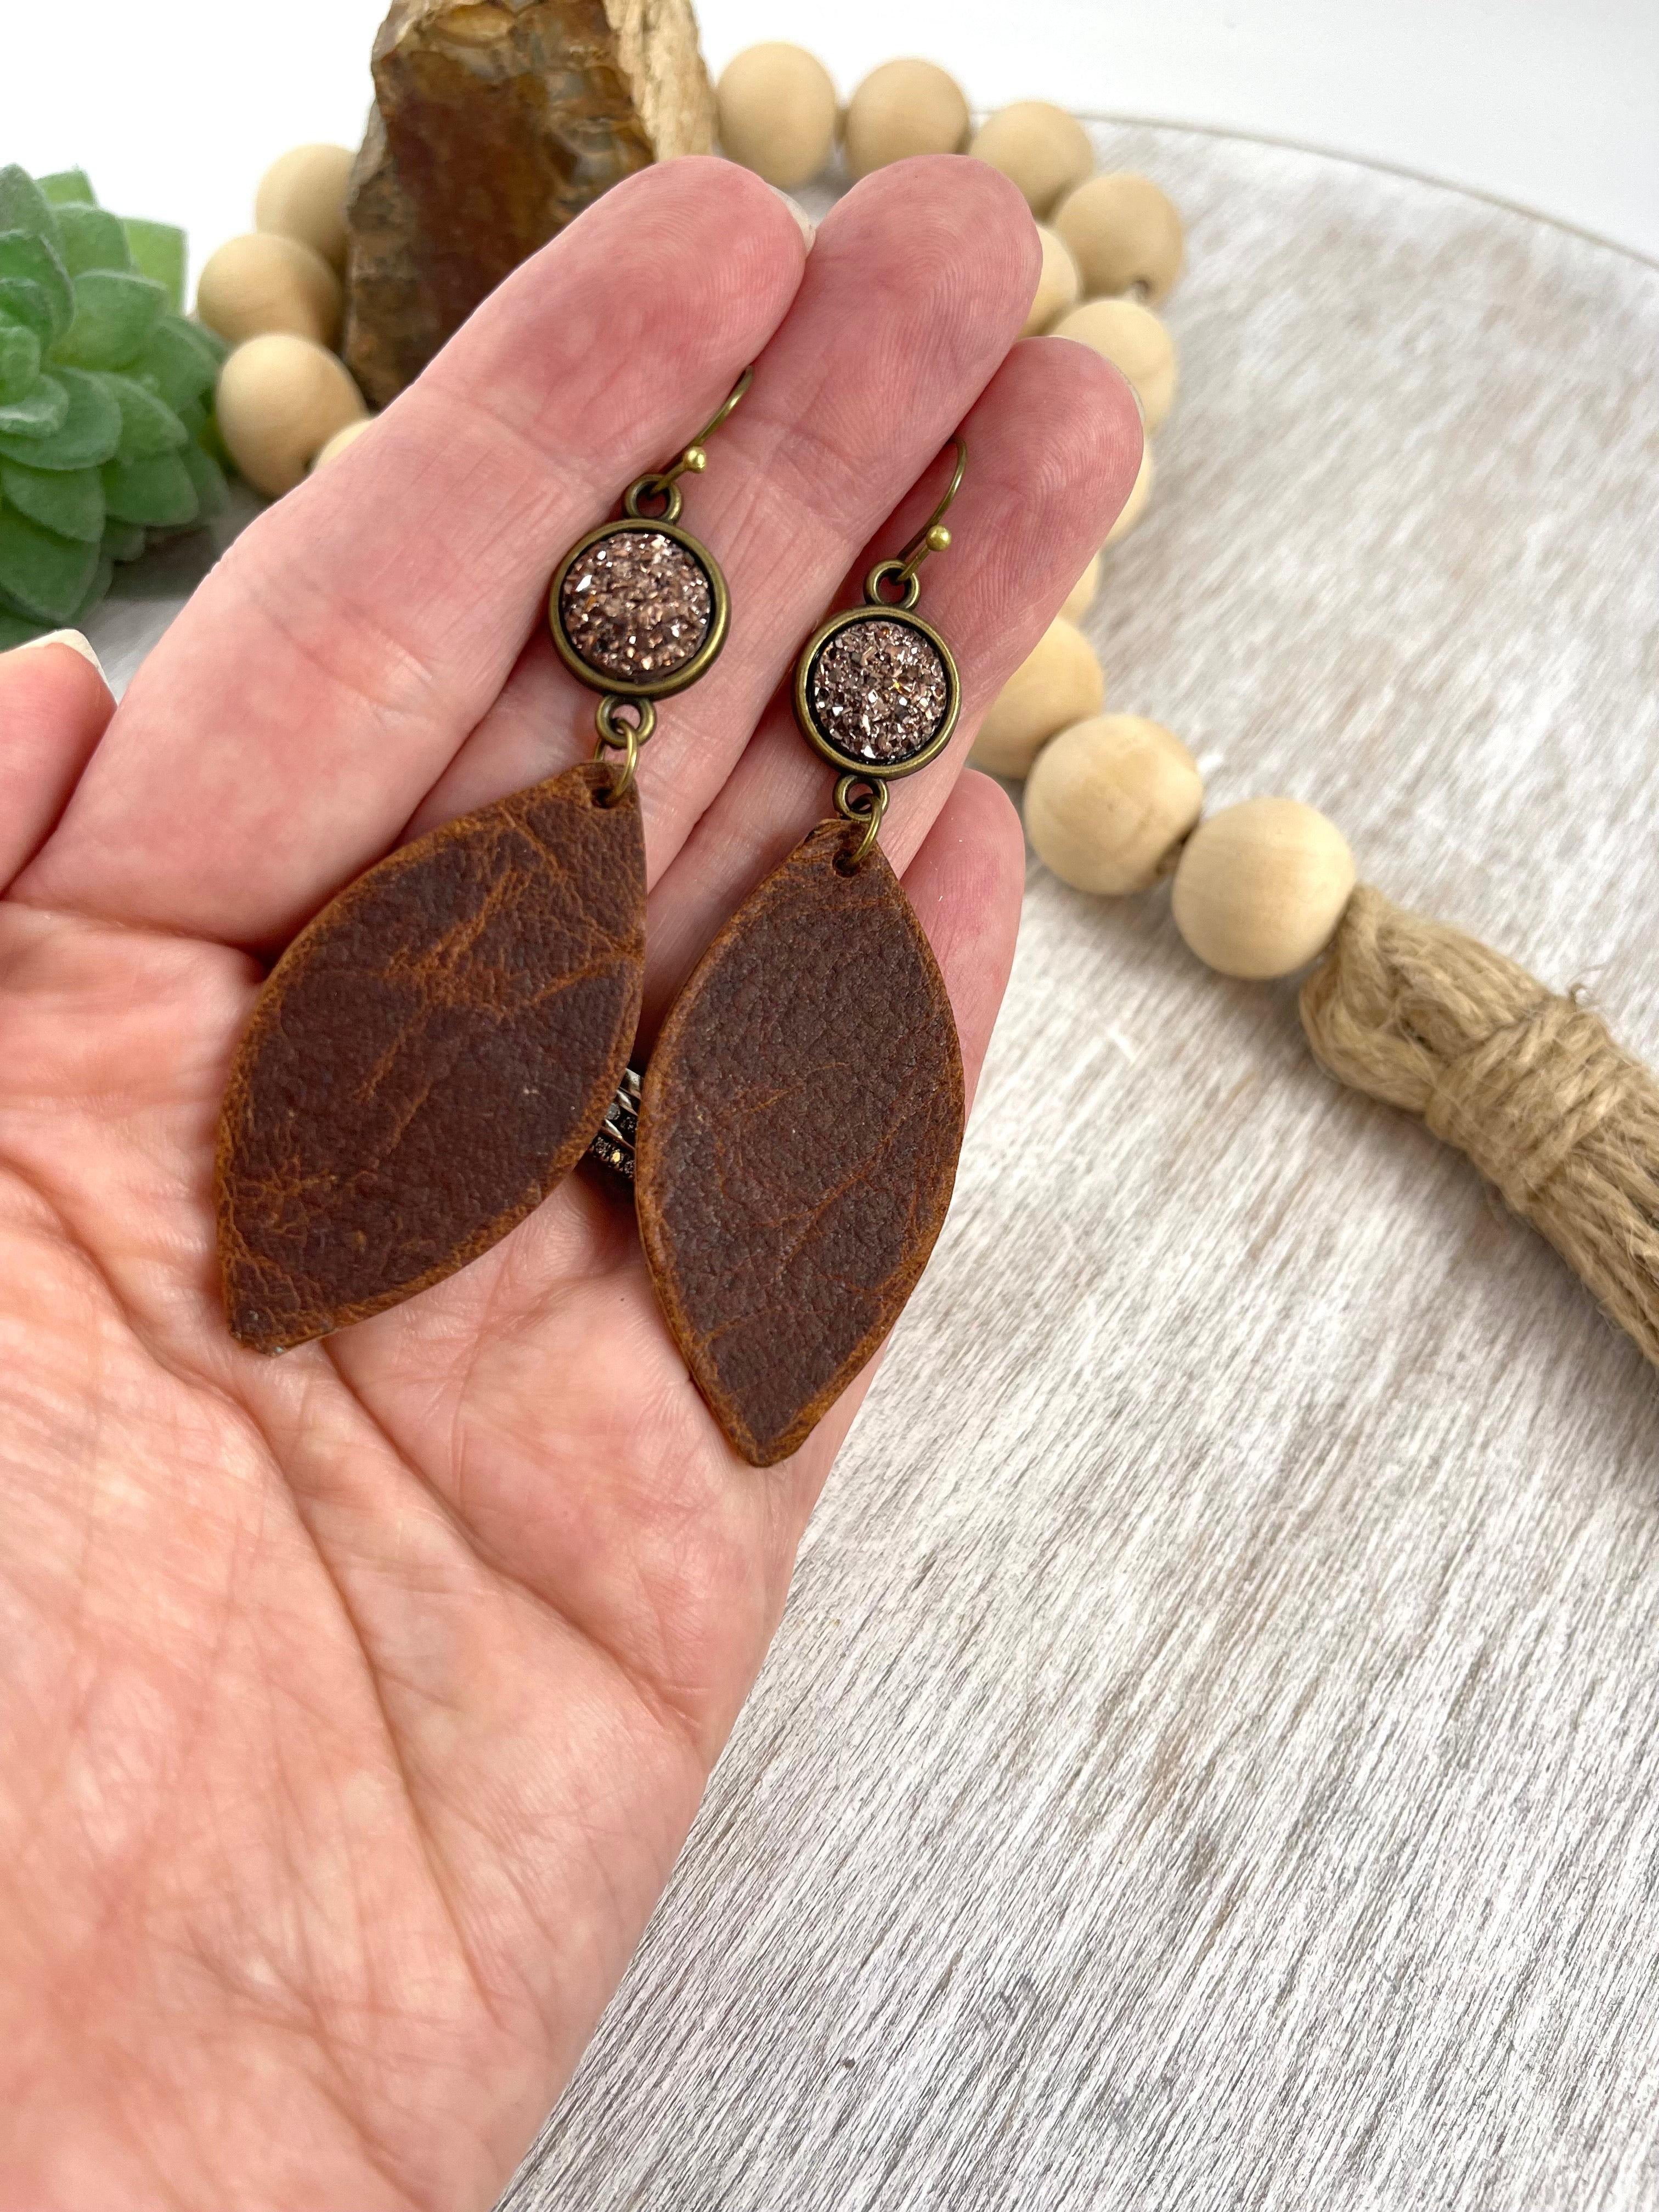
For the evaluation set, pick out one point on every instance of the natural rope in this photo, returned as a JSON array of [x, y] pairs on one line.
[[1530, 1085]]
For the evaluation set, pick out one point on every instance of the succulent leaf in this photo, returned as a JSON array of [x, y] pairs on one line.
[[23, 254], [20, 359], [24, 206], [106, 391], [115, 317], [69, 501], [212, 492], [16, 629], [68, 185], [89, 433], [42, 409], [93, 238], [103, 576], [159, 493], [41, 573], [123, 541], [148, 426], [26, 303], [175, 365], [158, 252]]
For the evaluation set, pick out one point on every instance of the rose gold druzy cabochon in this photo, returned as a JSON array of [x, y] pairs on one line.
[[878, 691], [636, 605]]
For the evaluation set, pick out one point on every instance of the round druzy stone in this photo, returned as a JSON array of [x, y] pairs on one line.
[[637, 606], [878, 691]]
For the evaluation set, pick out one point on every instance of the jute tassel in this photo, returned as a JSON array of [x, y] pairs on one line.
[[1529, 1084]]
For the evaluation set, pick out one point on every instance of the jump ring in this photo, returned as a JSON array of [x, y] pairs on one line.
[[654, 486], [910, 593], [870, 815], [625, 738]]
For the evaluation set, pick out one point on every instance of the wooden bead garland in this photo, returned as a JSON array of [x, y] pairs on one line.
[[1124, 233], [1529, 1083], [1139, 492], [1134, 340], [1261, 887], [338, 444], [776, 105], [1108, 801], [303, 195], [1038, 146], [1081, 597], [262, 282], [1059, 683], [1059, 287], [291, 404], [281, 399], [902, 108]]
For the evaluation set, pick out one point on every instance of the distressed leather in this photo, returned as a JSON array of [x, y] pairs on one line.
[[429, 1058], [801, 1120]]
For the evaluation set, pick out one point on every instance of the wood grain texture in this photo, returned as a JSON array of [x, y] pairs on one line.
[[1210, 1758], [1210, 1762]]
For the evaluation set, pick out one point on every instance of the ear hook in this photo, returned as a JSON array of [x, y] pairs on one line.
[[694, 457], [933, 536]]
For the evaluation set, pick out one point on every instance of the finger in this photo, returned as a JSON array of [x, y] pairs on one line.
[[54, 707], [321, 679], [918, 284], [1053, 446]]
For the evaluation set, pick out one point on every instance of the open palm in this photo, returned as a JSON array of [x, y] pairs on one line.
[[354, 1706]]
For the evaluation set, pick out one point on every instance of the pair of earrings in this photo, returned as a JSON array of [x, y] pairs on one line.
[[435, 1053]]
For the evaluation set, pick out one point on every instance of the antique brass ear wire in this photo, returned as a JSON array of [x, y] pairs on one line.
[[876, 704], [643, 550]]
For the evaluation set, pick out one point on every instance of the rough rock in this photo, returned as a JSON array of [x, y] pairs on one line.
[[494, 125]]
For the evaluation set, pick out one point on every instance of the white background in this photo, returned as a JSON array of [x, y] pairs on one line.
[[1553, 104]]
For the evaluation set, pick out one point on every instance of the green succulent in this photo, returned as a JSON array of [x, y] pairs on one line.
[[106, 429]]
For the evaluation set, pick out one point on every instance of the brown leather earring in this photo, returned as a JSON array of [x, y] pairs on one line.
[[800, 1119], [432, 1054]]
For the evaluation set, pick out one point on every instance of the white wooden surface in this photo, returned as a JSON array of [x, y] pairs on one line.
[[1210, 1759]]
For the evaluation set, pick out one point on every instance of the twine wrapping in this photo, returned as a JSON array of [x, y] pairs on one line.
[[1529, 1084]]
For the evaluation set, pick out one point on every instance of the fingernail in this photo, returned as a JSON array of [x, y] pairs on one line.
[[73, 639], [809, 229]]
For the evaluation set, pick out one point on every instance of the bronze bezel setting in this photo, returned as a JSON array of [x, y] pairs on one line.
[[678, 679], [819, 739]]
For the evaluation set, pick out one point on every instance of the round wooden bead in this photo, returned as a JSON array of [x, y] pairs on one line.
[[1139, 492], [1060, 682], [1038, 147], [1059, 288], [281, 399], [1122, 232], [1081, 597], [254, 285], [1131, 337], [902, 108], [303, 195], [338, 444], [777, 111], [1261, 887], [1109, 801]]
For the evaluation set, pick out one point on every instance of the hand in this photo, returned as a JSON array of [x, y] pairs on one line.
[[355, 1704]]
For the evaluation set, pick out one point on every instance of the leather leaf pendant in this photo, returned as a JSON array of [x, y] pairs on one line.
[[429, 1058], [798, 1143]]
